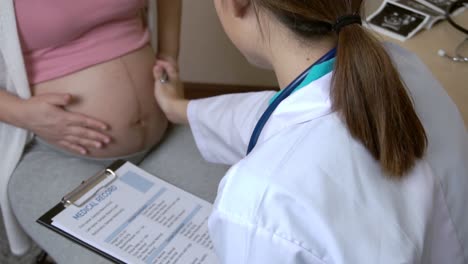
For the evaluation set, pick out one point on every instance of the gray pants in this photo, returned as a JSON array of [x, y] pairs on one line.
[[45, 175]]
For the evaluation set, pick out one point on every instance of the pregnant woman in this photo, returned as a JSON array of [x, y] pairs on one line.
[[78, 76]]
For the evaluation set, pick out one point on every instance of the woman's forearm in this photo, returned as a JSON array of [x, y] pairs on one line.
[[10, 108], [169, 20]]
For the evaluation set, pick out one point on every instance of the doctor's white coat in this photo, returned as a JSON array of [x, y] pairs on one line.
[[310, 193]]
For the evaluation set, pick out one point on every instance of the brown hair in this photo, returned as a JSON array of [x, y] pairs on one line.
[[366, 90]]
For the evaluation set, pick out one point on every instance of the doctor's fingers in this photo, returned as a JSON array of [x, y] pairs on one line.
[[157, 72], [169, 69]]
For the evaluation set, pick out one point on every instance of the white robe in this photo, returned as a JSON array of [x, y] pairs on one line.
[[13, 79]]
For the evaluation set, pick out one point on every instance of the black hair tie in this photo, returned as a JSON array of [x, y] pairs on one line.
[[347, 20]]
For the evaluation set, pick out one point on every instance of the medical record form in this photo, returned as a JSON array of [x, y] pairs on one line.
[[130, 216]]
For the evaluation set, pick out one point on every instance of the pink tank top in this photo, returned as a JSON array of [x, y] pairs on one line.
[[59, 37]]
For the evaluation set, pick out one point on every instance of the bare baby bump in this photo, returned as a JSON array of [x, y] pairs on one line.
[[118, 92]]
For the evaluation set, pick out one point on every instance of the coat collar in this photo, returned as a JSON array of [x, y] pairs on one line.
[[309, 103]]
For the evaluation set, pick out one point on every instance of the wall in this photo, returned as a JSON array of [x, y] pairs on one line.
[[207, 55]]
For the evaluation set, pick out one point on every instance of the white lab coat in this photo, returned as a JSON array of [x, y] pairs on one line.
[[310, 193]]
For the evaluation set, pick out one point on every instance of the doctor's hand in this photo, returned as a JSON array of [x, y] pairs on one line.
[[168, 58], [45, 115], [169, 92]]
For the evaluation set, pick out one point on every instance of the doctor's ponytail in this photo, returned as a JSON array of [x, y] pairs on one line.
[[370, 96], [366, 91]]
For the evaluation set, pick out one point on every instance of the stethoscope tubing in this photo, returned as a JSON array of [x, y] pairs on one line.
[[455, 5]]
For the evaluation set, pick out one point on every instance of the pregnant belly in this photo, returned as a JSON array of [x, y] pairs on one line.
[[120, 93]]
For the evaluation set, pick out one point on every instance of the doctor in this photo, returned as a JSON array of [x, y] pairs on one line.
[[360, 159]]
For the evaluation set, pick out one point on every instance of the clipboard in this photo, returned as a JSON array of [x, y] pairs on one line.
[[74, 196], [172, 218]]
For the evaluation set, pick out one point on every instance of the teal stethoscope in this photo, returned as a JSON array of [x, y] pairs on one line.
[[285, 93]]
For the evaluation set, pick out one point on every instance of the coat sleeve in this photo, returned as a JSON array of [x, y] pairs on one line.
[[222, 125]]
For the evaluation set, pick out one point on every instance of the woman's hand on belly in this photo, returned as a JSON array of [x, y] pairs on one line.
[[120, 93], [45, 116]]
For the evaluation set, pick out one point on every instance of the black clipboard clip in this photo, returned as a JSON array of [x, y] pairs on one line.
[[73, 198]]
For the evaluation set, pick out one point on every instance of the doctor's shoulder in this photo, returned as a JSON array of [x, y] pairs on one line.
[[306, 193], [295, 158]]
